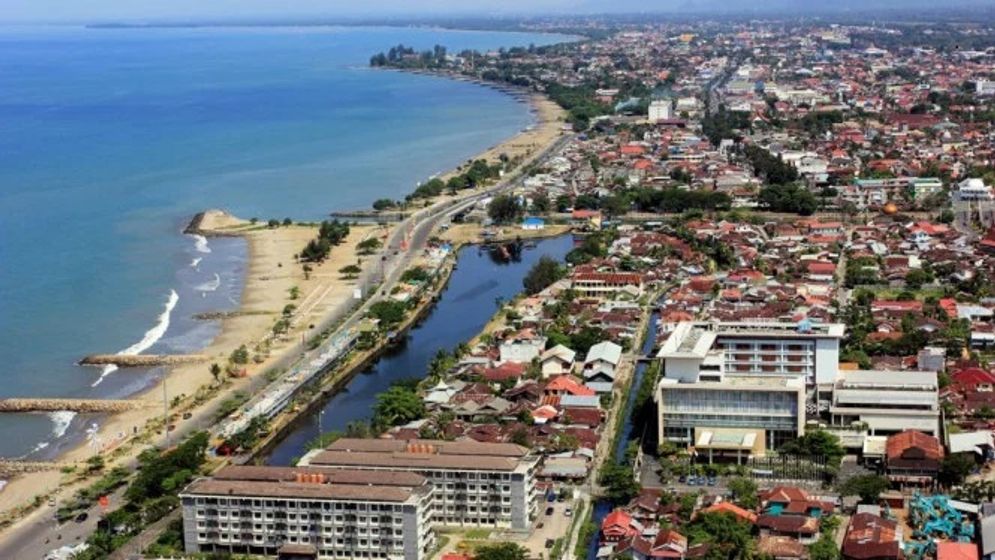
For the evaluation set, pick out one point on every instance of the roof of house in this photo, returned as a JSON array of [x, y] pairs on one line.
[[569, 385], [729, 507], [900, 444], [800, 524], [949, 550], [779, 546], [871, 536], [604, 351]]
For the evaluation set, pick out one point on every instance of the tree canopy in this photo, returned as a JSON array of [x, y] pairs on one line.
[[543, 273], [504, 208]]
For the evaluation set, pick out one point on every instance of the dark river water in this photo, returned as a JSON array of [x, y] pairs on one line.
[[465, 306]]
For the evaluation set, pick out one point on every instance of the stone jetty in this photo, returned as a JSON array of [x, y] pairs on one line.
[[142, 360], [75, 405]]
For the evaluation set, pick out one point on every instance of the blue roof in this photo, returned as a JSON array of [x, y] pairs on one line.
[[533, 220]]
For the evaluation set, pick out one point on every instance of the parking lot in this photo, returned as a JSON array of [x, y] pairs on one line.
[[550, 527]]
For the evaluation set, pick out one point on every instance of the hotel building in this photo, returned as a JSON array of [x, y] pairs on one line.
[[476, 484], [309, 513]]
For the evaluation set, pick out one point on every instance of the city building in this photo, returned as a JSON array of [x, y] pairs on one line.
[[307, 513], [777, 348], [973, 189], [477, 484], [660, 110], [607, 285], [887, 402]]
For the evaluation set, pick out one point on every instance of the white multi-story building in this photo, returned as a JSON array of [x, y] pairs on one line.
[[702, 399], [888, 402], [307, 513], [477, 484], [808, 350], [660, 110], [973, 189]]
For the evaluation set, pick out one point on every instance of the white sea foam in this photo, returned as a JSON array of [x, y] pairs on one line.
[[151, 337], [200, 243], [209, 286], [195, 262], [61, 419]]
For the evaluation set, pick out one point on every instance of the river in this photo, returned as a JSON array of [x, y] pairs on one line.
[[464, 307]]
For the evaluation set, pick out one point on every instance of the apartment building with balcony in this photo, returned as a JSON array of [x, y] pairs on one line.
[[309, 513], [475, 483]]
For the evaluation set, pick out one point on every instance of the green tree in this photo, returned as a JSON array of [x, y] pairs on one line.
[[398, 405], [368, 246], [350, 271], [504, 208], [816, 443], [824, 549], [619, 482], [540, 203], [744, 492], [955, 468], [723, 531], [501, 551], [390, 313], [868, 487], [240, 355], [543, 273]]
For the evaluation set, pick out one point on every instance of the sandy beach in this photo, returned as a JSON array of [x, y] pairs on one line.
[[271, 275]]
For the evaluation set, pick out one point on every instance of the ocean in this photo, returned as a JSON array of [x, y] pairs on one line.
[[111, 139]]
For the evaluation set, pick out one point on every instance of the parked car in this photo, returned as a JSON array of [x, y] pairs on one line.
[[549, 543], [549, 510], [692, 481], [568, 512], [682, 479], [712, 481], [82, 517]]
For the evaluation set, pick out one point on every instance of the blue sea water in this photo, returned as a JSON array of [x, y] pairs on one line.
[[110, 139]]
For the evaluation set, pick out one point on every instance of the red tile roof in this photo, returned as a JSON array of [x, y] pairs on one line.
[[913, 445]]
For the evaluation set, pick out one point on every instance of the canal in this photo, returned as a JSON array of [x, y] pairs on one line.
[[628, 432], [464, 307]]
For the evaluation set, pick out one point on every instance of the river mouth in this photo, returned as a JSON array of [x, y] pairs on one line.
[[468, 302]]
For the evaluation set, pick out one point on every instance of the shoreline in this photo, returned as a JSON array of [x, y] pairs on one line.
[[265, 281]]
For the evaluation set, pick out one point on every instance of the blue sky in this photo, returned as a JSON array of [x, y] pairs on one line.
[[150, 10]]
